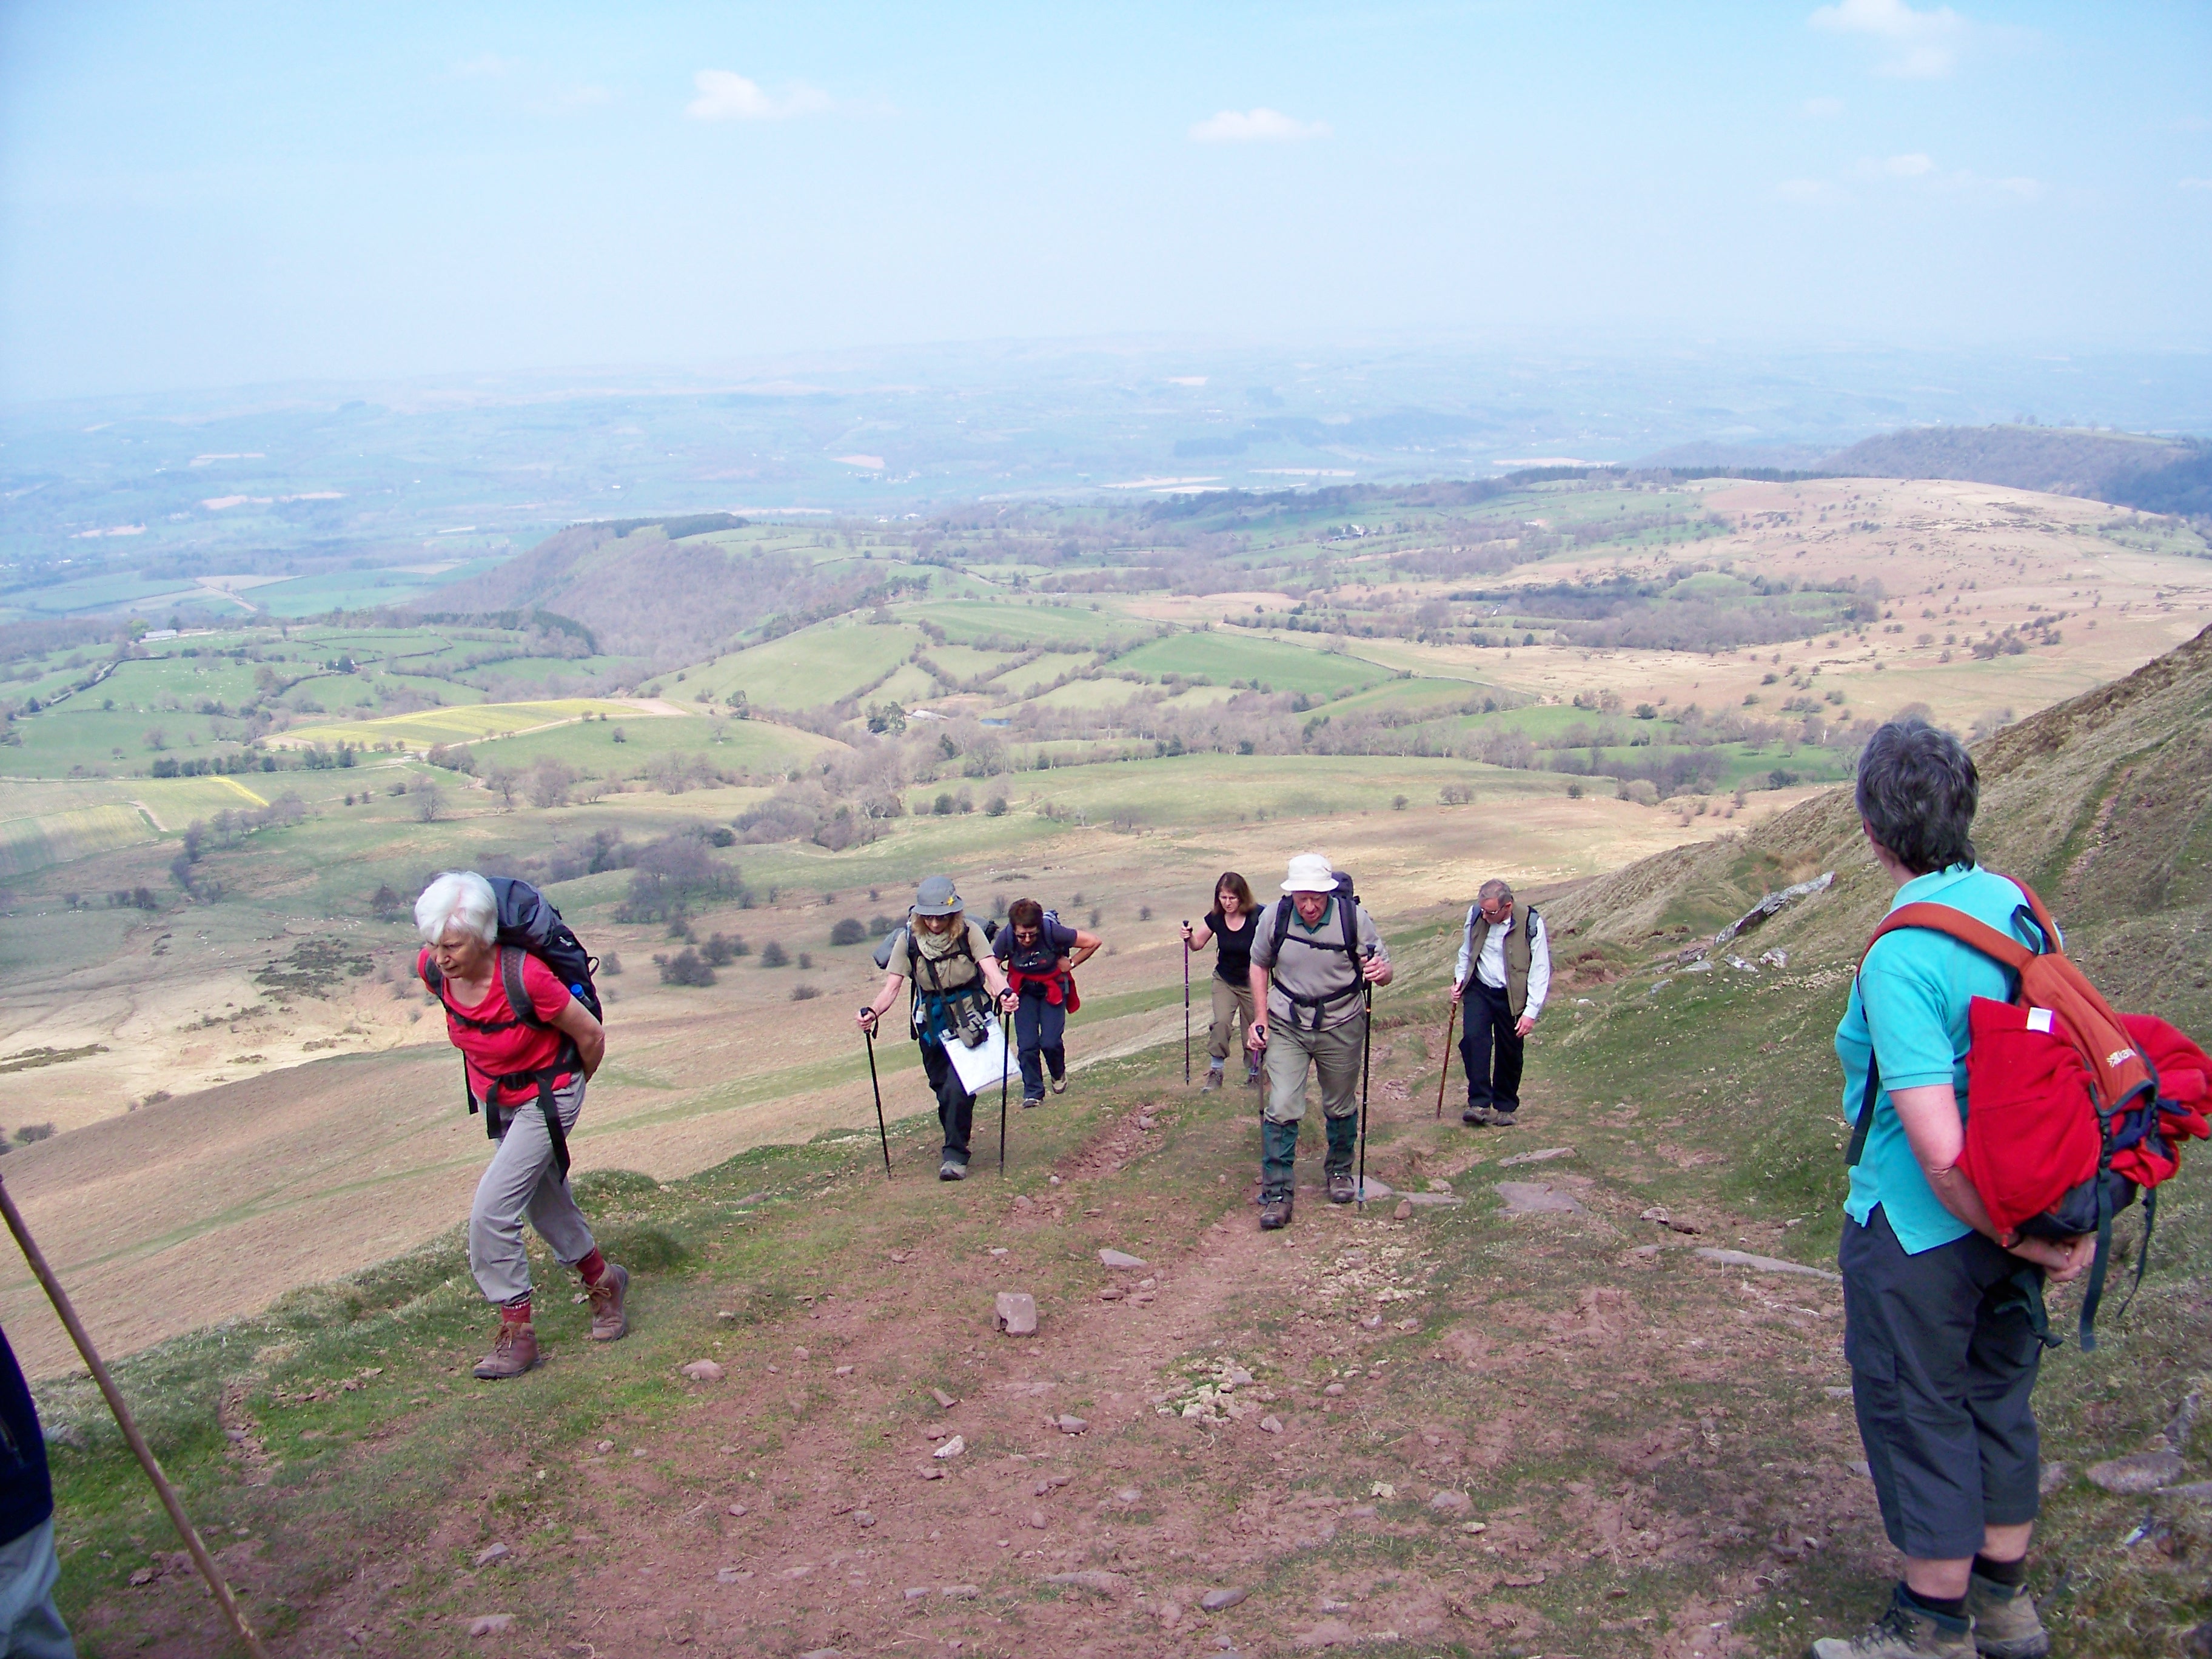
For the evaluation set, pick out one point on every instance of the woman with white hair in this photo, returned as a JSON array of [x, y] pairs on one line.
[[525, 1067]]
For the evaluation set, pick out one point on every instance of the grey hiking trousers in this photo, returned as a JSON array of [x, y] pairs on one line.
[[522, 1179], [1333, 1056]]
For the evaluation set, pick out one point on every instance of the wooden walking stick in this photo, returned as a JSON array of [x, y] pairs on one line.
[[1443, 1074], [147, 1461]]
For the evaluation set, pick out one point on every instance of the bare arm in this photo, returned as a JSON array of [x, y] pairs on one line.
[[1198, 936], [1929, 1114], [590, 1037], [1255, 1029], [1086, 946]]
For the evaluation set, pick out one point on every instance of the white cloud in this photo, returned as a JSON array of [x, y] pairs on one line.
[[2196, 183], [1257, 125], [724, 96], [1821, 109], [1922, 45]]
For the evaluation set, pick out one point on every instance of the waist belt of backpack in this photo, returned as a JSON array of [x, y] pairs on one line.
[[541, 1081], [1316, 1004]]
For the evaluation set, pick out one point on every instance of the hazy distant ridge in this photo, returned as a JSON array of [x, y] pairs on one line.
[[2159, 474]]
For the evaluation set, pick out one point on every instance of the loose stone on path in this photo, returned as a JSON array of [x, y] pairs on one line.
[[1766, 1264], [1122, 1260], [1015, 1312], [1534, 1198]]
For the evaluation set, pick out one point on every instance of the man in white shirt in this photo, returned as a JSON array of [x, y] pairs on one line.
[[1504, 973]]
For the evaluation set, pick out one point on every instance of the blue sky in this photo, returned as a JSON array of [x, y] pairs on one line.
[[222, 195]]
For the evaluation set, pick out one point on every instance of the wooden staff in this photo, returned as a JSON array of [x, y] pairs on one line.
[[147, 1461], [1443, 1072]]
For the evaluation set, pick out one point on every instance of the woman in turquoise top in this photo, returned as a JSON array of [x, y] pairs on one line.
[[1937, 1323]]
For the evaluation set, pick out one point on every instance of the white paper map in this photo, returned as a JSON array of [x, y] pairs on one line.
[[983, 1066]]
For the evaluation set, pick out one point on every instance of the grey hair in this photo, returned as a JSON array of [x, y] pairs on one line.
[[1494, 888], [1918, 790], [460, 896]]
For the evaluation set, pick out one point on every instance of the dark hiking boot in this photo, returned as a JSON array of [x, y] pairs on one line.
[[1029, 1102], [610, 1320], [1212, 1080], [1342, 1189], [952, 1169], [1905, 1632], [2005, 1623], [1502, 1117], [1252, 1077], [1274, 1209], [1474, 1117], [514, 1351], [1059, 1084]]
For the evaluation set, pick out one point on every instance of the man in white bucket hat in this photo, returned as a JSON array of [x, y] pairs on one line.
[[1314, 955]]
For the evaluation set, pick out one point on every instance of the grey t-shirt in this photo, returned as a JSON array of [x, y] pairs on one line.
[[1313, 963]]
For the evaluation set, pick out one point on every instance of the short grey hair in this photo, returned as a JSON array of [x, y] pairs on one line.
[[1918, 790], [460, 896], [1495, 889]]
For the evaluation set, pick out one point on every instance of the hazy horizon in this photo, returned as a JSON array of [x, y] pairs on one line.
[[258, 197]]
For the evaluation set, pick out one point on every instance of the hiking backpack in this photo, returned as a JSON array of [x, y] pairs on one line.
[[2073, 1109], [528, 924], [1347, 911]]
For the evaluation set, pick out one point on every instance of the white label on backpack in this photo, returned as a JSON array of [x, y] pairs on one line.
[[2117, 1055], [2039, 1020]]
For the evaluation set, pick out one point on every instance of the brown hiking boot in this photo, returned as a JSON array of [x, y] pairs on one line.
[[1904, 1632], [610, 1323], [1342, 1190], [2005, 1623], [1212, 1083], [1275, 1209], [514, 1351], [1475, 1115]]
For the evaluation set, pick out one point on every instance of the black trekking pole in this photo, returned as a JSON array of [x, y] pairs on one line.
[[876, 1083], [1366, 1049], [1186, 1005], [1005, 1064]]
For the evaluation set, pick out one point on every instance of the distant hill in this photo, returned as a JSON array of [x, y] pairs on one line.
[[2102, 803], [2159, 474]]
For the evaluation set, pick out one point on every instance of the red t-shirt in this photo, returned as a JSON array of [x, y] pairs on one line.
[[519, 1047]]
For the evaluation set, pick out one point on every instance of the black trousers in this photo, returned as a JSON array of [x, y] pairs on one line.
[[956, 1107], [1494, 1083]]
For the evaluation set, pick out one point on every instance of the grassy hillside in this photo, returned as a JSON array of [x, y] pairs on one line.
[[1434, 1429]]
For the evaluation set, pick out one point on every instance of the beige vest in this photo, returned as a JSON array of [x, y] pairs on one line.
[[1519, 955]]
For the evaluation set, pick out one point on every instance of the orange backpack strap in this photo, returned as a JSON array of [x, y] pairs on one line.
[[1943, 919]]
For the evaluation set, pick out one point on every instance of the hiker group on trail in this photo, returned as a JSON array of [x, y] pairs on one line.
[[1501, 980], [529, 1042]]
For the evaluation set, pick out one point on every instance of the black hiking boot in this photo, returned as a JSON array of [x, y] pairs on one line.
[[1274, 1209], [1342, 1189], [1475, 1116]]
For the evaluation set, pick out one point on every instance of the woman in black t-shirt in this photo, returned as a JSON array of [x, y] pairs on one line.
[[1038, 953], [1230, 925]]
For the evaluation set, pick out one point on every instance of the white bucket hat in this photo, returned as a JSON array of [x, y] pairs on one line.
[[1310, 874]]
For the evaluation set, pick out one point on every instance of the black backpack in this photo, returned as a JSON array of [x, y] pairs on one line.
[[527, 922], [1347, 911]]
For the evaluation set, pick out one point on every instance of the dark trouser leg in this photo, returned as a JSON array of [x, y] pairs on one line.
[[1505, 1071], [1474, 1043], [1028, 1040], [1279, 1153], [956, 1107], [1343, 1141], [1052, 1036]]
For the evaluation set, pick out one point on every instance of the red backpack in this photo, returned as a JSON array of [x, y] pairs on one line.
[[2074, 1108]]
